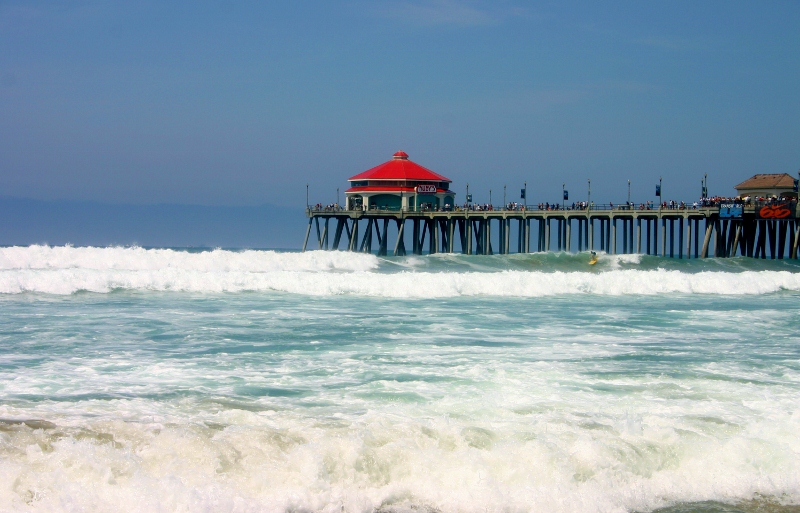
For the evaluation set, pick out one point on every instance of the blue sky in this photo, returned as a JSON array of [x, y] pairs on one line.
[[244, 103]]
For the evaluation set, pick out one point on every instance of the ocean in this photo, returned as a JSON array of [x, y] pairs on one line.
[[150, 380]]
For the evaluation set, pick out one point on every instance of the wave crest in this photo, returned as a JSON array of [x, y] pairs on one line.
[[140, 259], [66, 270]]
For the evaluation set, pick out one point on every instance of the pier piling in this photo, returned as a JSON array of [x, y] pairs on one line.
[[470, 232]]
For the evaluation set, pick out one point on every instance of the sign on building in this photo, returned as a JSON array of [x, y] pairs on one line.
[[776, 211], [426, 189], [730, 211]]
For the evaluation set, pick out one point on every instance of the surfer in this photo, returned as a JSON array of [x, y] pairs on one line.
[[593, 259]]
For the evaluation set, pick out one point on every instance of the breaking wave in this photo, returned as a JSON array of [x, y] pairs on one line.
[[66, 270], [386, 464]]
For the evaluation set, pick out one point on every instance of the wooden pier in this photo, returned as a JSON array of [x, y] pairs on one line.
[[757, 231]]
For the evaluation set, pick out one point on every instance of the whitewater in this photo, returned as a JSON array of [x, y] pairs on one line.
[[66, 270], [156, 379]]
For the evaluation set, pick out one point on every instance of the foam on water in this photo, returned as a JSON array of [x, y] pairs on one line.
[[246, 461], [139, 259], [65, 270], [530, 384]]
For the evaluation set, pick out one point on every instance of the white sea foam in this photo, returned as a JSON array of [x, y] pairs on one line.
[[617, 261], [156, 403], [254, 462], [65, 270], [140, 259]]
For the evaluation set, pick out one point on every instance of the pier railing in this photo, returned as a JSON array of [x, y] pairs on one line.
[[501, 208], [554, 207]]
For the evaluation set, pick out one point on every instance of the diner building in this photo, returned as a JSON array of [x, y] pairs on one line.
[[399, 184], [777, 185]]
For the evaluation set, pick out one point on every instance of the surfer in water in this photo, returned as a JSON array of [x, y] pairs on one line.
[[593, 259]]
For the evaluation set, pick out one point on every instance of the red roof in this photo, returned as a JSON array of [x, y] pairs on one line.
[[399, 168]]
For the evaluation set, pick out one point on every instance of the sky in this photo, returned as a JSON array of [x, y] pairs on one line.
[[244, 103]]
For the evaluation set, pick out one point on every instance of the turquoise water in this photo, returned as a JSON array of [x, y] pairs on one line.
[[168, 380]]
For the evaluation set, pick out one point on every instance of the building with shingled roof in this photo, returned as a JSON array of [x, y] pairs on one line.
[[399, 184], [779, 185]]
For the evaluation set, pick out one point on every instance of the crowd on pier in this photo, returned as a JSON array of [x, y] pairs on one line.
[[330, 207], [745, 201], [711, 202]]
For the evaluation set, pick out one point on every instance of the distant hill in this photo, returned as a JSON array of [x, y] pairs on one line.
[[26, 221]]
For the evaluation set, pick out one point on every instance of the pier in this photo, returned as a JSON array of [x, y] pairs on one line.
[[760, 230], [402, 201]]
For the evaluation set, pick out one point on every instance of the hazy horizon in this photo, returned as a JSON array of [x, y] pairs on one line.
[[89, 223]]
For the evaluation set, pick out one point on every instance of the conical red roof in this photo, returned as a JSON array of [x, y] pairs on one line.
[[399, 168]]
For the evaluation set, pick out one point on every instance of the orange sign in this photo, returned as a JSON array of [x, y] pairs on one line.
[[775, 212]]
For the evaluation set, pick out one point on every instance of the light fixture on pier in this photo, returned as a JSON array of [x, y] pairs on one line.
[[525, 194], [589, 196], [659, 194]]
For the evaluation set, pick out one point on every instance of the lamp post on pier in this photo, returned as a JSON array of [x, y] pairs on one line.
[[629, 192], [490, 199], [705, 186], [797, 185], [337, 197], [525, 195], [589, 196], [307, 197], [467, 198], [660, 194], [504, 197], [563, 188]]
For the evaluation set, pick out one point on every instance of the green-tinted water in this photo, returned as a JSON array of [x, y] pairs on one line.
[[167, 380]]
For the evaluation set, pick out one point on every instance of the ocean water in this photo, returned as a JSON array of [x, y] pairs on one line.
[[139, 379]]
